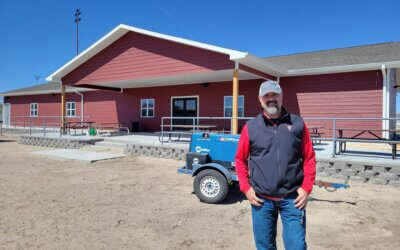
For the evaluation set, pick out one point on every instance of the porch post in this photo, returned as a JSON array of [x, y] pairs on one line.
[[234, 124], [62, 107]]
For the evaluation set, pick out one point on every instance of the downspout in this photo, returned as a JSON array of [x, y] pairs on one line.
[[384, 101], [81, 103]]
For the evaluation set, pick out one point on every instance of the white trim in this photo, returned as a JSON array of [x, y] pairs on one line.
[[66, 109], [154, 107], [9, 114], [192, 96], [82, 104], [232, 104], [262, 65], [343, 68], [42, 92], [30, 109]]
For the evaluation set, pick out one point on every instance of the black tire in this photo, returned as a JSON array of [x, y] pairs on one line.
[[211, 186]]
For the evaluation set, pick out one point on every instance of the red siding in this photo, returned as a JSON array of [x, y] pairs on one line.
[[335, 95], [136, 56], [345, 95], [48, 105]]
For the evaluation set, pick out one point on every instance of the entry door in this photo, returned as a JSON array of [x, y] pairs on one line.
[[6, 114], [184, 107]]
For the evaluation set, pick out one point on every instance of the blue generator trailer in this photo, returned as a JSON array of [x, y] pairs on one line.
[[211, 160]]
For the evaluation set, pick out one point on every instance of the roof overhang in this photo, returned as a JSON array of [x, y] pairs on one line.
[[343, 68], [42, 92], [208, 77]]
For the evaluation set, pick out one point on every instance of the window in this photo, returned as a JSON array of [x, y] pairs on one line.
[[71, 109], [228, 106], [147, 108], [34, 109]]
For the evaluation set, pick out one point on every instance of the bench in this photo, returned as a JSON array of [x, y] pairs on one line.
[[171, 134], [109, 129]]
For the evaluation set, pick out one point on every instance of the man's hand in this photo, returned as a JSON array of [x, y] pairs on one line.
[[301, 201], [252, 197]]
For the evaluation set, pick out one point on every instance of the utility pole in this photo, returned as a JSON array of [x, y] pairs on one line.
[[37, 77], [77, 19]]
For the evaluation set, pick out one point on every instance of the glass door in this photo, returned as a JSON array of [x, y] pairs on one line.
[[184, 107]]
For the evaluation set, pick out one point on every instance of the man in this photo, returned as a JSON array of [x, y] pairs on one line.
[[275, 164]]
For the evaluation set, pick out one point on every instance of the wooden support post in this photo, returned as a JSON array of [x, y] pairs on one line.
[[234, 125], [63, 107]]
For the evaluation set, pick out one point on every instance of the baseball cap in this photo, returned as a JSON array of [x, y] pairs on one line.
[[269, 86]]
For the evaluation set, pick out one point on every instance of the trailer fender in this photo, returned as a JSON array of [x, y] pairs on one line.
[[198, 167]]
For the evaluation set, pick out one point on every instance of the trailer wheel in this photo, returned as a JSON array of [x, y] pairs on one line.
[[210, 186]]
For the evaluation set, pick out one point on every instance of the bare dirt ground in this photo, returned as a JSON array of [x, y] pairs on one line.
[[142, 203]]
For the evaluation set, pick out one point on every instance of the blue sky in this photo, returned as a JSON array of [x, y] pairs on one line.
[[37, 37]]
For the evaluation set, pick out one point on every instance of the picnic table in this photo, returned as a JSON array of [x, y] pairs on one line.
[[369, 131], [315, 133], [77, 125], [183, 129]]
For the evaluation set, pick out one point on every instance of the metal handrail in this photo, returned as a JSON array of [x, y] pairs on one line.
[[44, 120], [195, 121], [334, 139]]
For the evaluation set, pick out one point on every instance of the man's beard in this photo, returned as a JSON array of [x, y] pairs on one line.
[[271, 108]]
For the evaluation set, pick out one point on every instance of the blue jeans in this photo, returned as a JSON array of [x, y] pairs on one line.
[[293, 221]]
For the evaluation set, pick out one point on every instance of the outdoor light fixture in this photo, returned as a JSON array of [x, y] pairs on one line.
[[205, 84]]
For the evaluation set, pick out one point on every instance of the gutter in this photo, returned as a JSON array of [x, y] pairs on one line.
[[384, 101], [343, 68], [81, 103]]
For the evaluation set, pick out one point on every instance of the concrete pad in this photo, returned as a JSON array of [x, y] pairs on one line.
[[76, 154]]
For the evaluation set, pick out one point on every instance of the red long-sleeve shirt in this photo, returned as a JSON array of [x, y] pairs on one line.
[[243, 152]]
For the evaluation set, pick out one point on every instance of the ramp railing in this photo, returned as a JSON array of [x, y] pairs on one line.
[[45, 124], [330, 129], [367, 130], [188, 125]]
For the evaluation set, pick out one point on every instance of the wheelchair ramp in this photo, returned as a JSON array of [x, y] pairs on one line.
[[80, 155]]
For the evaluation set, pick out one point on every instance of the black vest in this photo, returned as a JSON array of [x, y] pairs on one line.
[[275, 162]]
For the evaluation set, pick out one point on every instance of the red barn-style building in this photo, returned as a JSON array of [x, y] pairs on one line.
[[135, 75]]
